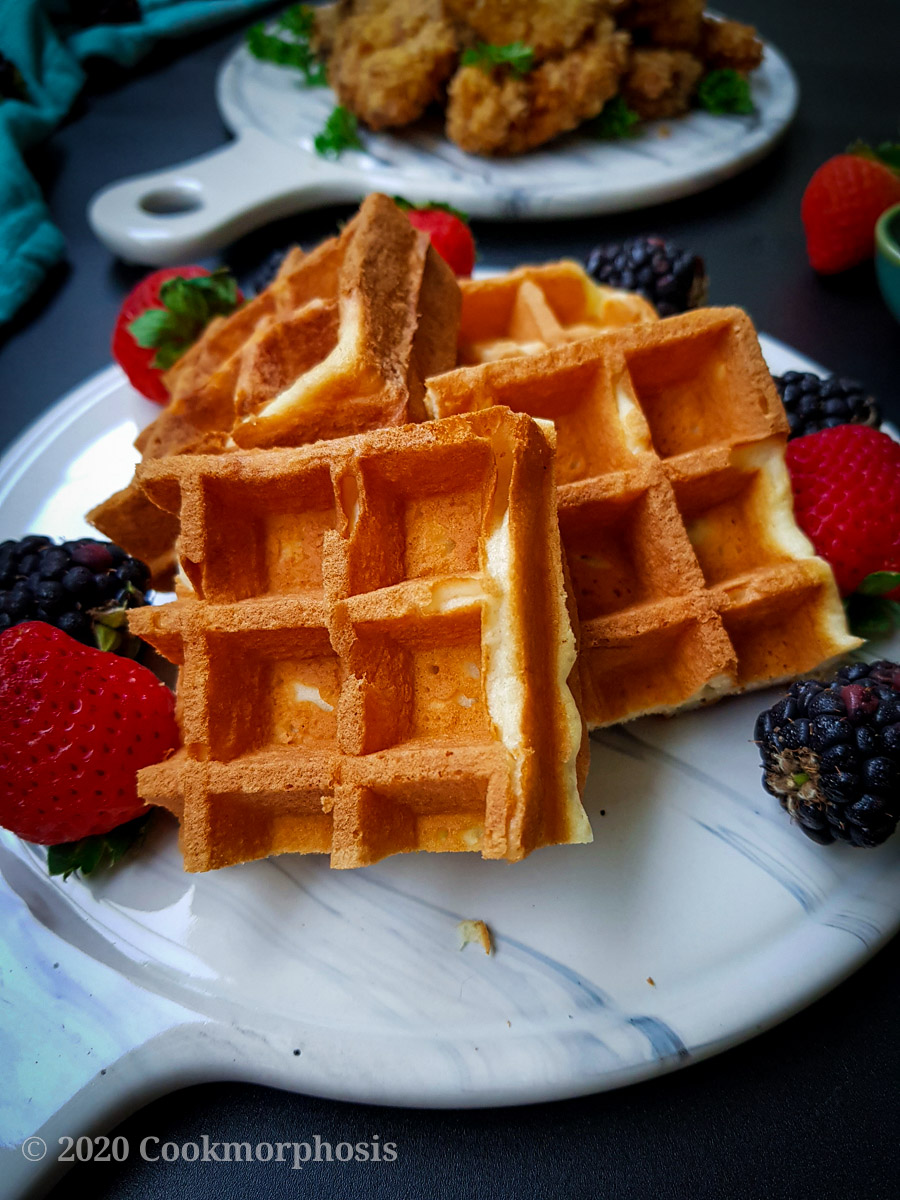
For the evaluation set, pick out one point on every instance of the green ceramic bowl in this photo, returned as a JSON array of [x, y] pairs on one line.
[[887, 257]]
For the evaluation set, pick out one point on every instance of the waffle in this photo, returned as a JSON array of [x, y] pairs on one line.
[[375, 647], [532, 308], [340, 342], [691, 577]]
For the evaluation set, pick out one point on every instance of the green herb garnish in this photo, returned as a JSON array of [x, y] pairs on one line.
[[290, 46], [101, 850], [616, 120], [515, 56], [429, 205], [870, 613], [188, 307], [339, 133], [725, 92]]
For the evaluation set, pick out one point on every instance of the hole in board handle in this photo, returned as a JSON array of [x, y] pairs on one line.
[[171, 201]]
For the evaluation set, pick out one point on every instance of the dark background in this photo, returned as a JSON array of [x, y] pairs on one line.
[[809, 1109]]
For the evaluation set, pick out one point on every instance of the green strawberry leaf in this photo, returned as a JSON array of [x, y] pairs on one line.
[[886, 153], [616, 120], [879, 583], [188, 307], [871, 616], [102, 849], [430, 206], [107, 637], [339, 133], [293, 49], [515, 56], [724, 91], [110, 625]]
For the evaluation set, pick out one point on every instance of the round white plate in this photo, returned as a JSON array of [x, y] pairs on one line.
[[351, 984], [271, 169]]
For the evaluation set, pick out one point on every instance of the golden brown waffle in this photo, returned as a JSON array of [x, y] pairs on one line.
[[691, 577], [375, 647], [531, 308], [340, 342]]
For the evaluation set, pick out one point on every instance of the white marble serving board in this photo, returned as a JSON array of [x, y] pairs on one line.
[[351, 984], [271, 169]]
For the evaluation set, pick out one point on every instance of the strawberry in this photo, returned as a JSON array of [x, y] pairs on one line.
[[842, 203], [449, 231], [846, 484], [76, 725], [164, 315]]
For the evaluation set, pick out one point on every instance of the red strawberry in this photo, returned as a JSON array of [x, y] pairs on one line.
[[164, 315], [841, 204], [450, 236], [846, 485], [76, 725]]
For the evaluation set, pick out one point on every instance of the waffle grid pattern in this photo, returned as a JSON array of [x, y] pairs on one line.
[[354, 609], [691, 577], [532, 308]]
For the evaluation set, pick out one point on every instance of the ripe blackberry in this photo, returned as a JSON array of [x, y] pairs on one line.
[[831, 754], [672, 279], [82, 587], [813, 403]]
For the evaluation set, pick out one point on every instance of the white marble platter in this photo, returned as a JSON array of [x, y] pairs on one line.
[[351, 984], [271, 169]]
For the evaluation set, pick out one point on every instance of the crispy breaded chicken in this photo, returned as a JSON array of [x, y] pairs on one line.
[[660, 83], [730, 44], [390, 58], [548, 26], [675, 24], [499, 113]]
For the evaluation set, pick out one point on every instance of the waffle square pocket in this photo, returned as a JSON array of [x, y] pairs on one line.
[[691, 577], [531, 308], [375, 648]]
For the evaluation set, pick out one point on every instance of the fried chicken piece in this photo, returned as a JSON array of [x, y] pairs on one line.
[[674, 24], [495, 112], [390, 59], [660, 83], [325, 26], [548, 26], [730, 44]]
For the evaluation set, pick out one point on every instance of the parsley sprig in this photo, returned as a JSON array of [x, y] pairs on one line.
[[869, 611], [724, 92], [616, 120], [291, 45], [339, 133], [188, 307], [515, 56], [102, 850]]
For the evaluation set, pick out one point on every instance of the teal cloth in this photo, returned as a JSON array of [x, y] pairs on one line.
[[49, 51]]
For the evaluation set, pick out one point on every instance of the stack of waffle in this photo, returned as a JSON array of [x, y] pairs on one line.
[[339, 343], [376, 649]]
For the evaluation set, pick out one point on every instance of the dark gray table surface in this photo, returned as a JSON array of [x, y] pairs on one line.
[[809, 1109]]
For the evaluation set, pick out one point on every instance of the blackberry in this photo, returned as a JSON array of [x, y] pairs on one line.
[[831, 754], [672, 279], [81, 587], [813, 403]]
